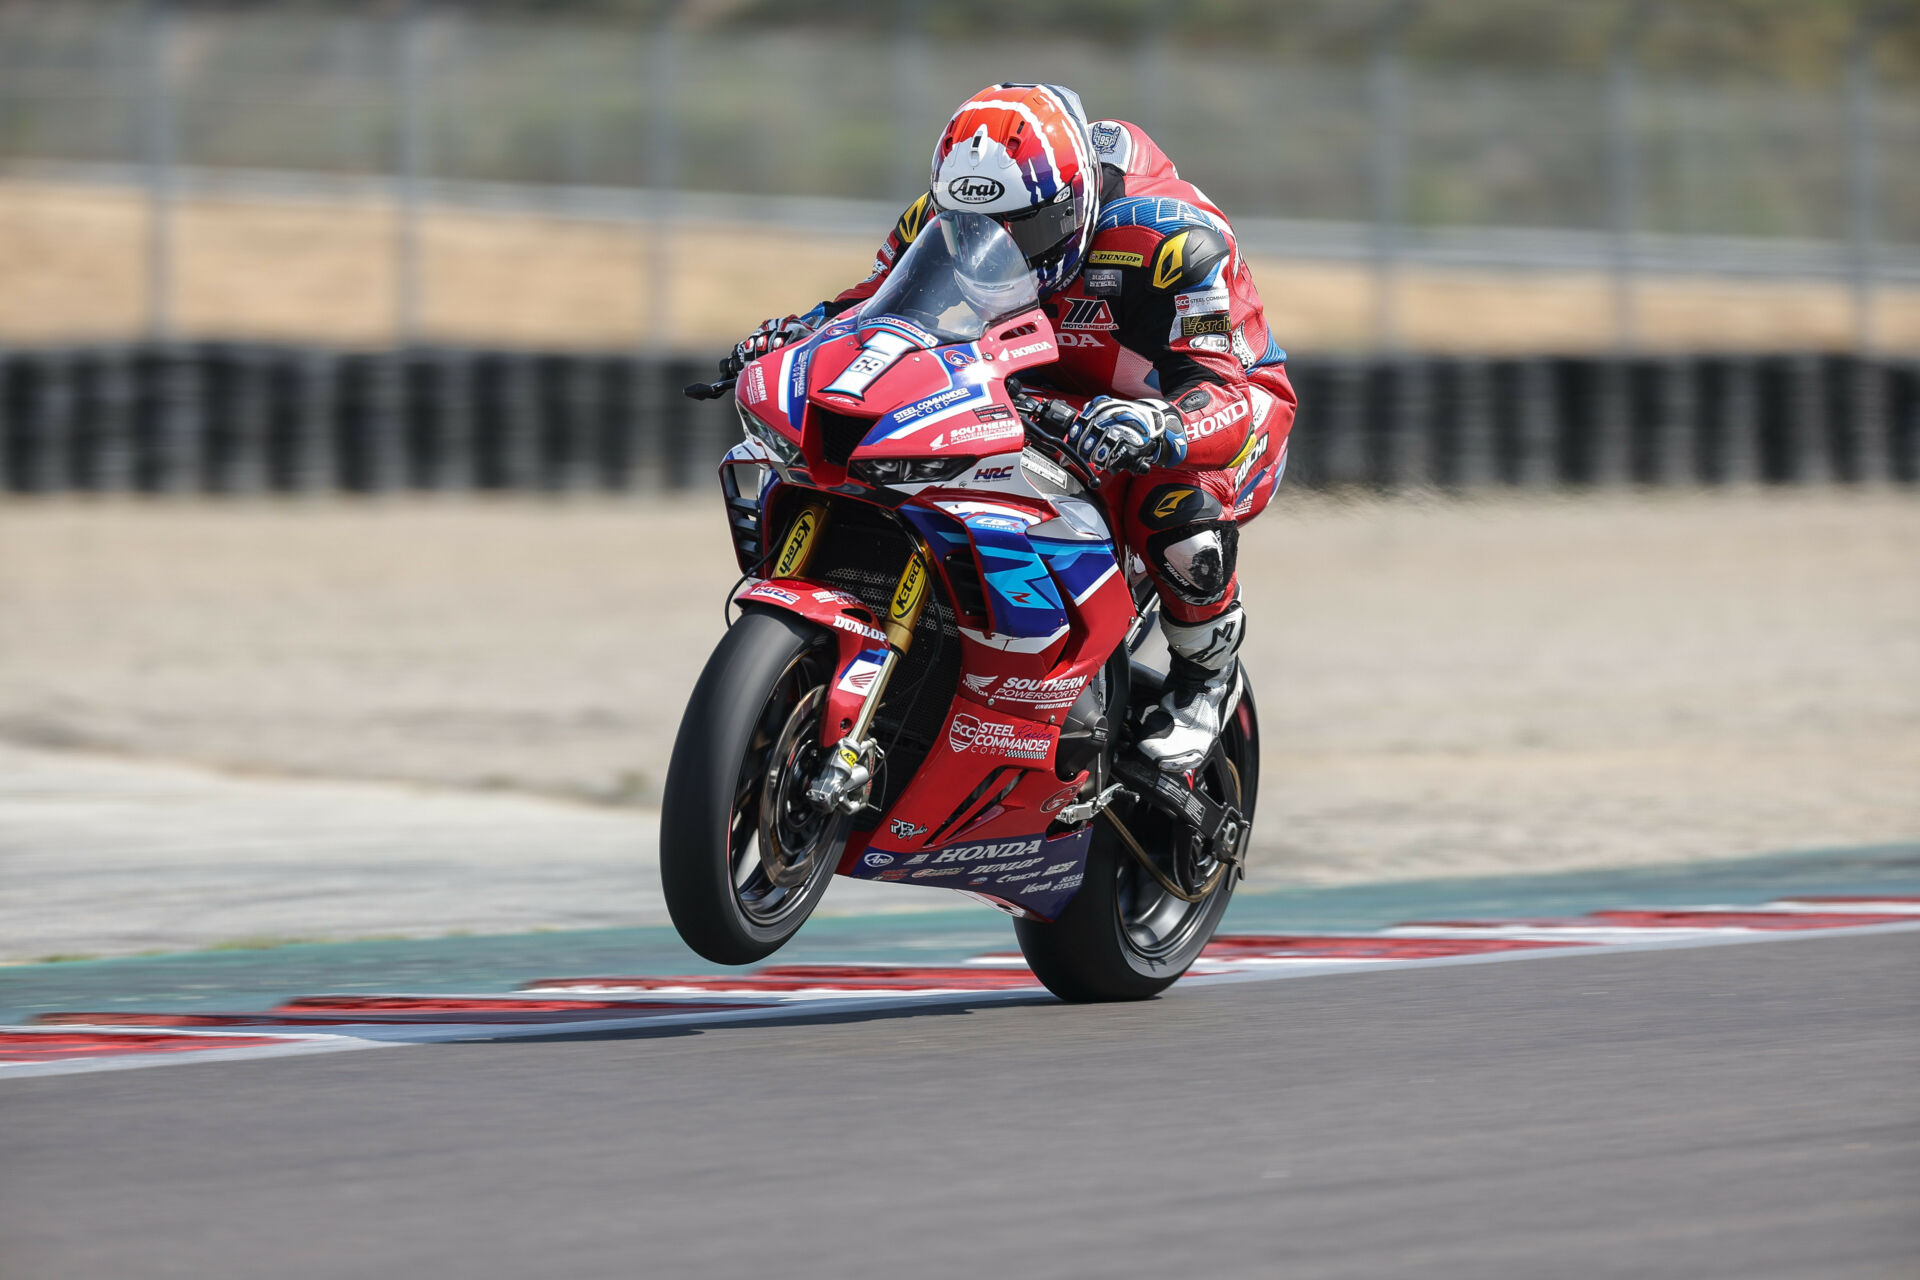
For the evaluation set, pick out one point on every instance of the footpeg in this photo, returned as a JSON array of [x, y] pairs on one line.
[[1084, 810]]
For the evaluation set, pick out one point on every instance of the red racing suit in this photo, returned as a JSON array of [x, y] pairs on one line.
[[1163, 307]]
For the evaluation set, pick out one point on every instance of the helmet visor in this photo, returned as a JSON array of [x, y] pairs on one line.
[[1043, 232]]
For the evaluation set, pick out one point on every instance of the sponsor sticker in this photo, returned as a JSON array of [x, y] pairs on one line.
[[793, 555], [860, 674], [1060, 691], [1219, 420], [877, 859], [932, 404], [1106, 138], [904, 830], [1088, 313], [1104, 281], [860, 629], [976, 852], [1202, 302], [996, 430], [1058, 801], [755, 390], [1116, 258], [1027, 350], [1210, 342], [1191, 326], [992, 475], [895, 874], [908, 595], [935, 873], [957, 358], [767, 591], [993, 413], [975, 190], [998, 738]]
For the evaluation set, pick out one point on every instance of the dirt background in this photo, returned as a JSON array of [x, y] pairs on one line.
[[1447, 686], [321, 270]]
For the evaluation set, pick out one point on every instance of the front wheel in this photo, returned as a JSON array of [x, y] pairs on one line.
[[744, 857], [1124, 936]]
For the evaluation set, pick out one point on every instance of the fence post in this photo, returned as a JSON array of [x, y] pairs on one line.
[[1387, 92], [909, 77], [157, 92]]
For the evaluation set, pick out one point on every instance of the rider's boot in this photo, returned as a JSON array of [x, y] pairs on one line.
[[1203, 686]]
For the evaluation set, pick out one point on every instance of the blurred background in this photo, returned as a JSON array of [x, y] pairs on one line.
[[1601, 541]]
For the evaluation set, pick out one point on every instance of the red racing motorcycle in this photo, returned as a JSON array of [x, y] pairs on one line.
[[932, 678]]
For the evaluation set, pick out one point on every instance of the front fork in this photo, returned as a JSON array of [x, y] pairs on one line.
[[847, 779]]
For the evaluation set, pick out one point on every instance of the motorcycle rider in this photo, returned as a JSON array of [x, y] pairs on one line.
[[1183, 395]]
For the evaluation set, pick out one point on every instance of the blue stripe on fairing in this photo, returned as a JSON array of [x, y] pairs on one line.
[[1022, 600], [1076, 566]]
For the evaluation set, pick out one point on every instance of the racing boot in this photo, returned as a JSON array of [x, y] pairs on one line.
[[1203, 688]]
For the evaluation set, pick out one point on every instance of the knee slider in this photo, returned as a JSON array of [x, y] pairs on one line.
[[1196, 562]]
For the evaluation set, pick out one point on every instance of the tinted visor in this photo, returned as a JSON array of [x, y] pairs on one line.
[[1041, 234]]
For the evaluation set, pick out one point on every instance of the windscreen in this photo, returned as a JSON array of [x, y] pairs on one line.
[[961, 273]]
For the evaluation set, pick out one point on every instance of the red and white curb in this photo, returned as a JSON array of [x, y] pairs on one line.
[[62, 1043]]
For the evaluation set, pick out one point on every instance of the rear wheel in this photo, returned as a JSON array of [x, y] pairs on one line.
[[1128, 935], [744, 857]]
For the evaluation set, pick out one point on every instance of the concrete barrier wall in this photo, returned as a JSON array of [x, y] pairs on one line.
[[249, 418]]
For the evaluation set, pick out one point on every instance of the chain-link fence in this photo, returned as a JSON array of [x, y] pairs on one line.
[[1356, 152]]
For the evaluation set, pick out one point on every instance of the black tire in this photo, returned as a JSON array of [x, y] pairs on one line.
[[1090, 953], [750, 700]]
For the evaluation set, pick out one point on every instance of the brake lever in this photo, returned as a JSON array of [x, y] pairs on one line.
[[709, 390]]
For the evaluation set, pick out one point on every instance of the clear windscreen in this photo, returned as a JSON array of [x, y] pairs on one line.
[[960, 274]]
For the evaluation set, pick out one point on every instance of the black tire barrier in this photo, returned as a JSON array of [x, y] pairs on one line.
[[249, 418]]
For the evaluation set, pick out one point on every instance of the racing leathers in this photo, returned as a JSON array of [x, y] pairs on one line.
[[1164, 319]]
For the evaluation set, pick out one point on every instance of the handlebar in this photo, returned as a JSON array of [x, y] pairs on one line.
[[1038, 415]]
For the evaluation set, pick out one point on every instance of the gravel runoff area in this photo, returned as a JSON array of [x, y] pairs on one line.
[[220, 721]]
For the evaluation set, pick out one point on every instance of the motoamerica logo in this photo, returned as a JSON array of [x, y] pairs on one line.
[[998, 738], [975, 190]]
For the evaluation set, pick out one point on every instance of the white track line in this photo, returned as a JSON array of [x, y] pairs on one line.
[[841, 1004]]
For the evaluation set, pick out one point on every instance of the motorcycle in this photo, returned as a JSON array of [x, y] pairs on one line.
[[933, 675]]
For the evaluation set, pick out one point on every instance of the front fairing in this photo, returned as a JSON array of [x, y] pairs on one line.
[[1025, 564]]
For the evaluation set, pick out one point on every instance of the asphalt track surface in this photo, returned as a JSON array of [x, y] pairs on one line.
[[1737, 1110]]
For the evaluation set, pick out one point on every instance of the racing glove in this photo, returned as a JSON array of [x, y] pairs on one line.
[[1128, 435], [770, 336]]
